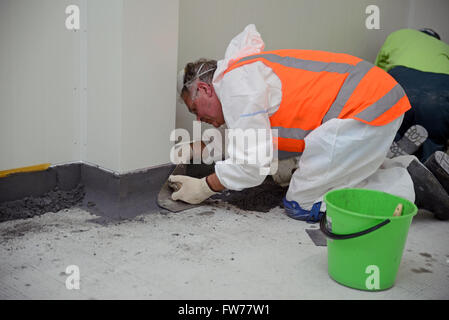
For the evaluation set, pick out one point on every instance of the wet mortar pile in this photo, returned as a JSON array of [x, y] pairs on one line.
[[52, 201], [262, 198]]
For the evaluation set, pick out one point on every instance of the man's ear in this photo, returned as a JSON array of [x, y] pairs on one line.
[[208, 89]]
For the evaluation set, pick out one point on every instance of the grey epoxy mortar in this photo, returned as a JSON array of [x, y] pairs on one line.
[[261, 198], [52, 201]]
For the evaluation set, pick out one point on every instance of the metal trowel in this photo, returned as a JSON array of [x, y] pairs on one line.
[[164, 199]]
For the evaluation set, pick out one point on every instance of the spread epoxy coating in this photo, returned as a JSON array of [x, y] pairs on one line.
[[210, 252]]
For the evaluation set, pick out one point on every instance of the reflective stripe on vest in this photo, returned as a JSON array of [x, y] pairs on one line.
[[351, 82], [309, 65], [367, 105], [382, 105]]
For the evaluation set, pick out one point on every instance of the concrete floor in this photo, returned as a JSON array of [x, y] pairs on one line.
[[203, 253]]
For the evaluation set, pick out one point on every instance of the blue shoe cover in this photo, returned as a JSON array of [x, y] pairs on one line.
[[293, 210]]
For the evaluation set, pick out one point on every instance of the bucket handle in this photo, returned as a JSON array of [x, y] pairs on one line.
[[334, 236]]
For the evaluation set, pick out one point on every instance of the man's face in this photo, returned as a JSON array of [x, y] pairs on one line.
[[206, 106]]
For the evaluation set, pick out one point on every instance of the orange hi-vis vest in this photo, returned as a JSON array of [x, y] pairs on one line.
[[318, 86]]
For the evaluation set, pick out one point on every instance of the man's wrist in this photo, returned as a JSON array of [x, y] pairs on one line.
[[214, 184], [209, 185]]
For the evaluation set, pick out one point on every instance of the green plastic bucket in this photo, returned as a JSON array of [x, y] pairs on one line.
[[365, 241]]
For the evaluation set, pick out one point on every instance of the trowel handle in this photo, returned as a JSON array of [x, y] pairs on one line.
[[398, 210]]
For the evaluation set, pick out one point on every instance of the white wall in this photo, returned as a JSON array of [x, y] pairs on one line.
[[104, 95], [103, 108], [131, 72], [432, 14], [150, 52], [39, 74], [206, 28]]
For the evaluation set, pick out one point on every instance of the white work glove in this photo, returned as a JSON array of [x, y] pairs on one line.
[[286, 167], [190, 190]]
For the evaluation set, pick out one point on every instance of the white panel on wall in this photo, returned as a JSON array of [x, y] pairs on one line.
[[104, 83], [104, 94], [150, 40], [39, 73]]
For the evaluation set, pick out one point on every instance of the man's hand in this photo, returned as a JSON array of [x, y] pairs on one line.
[[190, 190]]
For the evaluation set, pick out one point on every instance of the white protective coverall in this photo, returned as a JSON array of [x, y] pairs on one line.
[[341, 153]]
